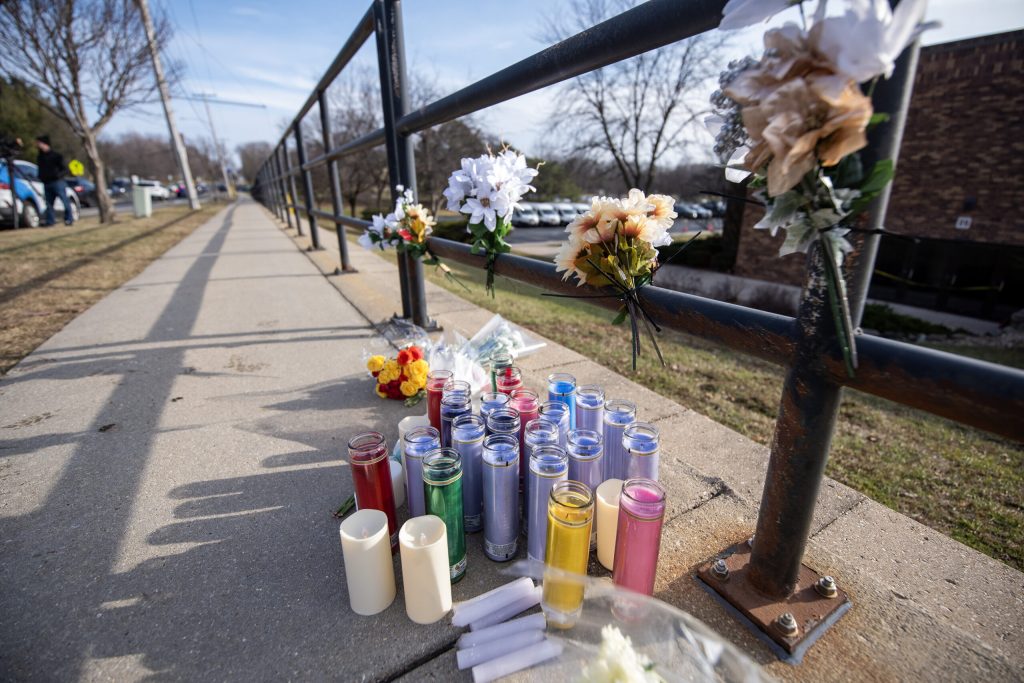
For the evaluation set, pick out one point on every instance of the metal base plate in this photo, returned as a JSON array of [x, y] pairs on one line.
[[814, 613]]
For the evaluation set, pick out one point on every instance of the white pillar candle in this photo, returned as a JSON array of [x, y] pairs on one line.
[[483, 596], [423, 544], [497, 648], [532, 622], [397, 482], [491, 602], [369, 573], [516, 661], [509, 610], [607, 520]]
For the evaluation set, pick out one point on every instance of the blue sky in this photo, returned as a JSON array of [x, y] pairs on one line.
[[267, 53]]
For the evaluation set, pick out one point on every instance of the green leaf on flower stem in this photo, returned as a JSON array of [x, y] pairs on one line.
[[620, 317], [877, 118], [881, 173], [782, 211], [849, 172]]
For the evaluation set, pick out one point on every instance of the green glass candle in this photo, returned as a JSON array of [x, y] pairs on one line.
[[442, 490]]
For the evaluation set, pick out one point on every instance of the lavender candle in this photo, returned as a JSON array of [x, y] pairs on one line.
[[562, 388], [586, 462], [491, 401], [418, 442], [618, 414], [501, 495], [638, 537], [589, 408], [468, 441], [453, 405], [538, 432], [503, 421], [559, 413], [548, 466], [640, 440]]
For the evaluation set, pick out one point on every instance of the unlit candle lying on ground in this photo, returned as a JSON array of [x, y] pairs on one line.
[[473, 656], [491, 602], [516, 661], [509, 610], [509, 628]]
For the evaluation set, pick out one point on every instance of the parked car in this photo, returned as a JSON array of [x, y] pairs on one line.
[[31, 196], [119, 188], [85, 189], [156, 190], [525, 215], [566, 213], [581, 208], [691, 211], [715, 206], [547, 214]]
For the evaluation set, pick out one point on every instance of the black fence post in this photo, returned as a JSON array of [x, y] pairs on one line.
[[333, 179], [307, 187], [282, 188], [401, 160], [290, 179]]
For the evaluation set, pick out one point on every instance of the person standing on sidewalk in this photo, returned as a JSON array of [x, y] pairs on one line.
[[51, 174]]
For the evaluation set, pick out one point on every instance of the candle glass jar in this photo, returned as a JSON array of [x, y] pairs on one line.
[[504, 421], [501, 496], [456, 386], [618, 414], [527, 404], [570, 518], [453, 405], [508, 380], [491, 401], [436, 379], [640, 441], [418, 442], [586, 462], [557, 412], [548, 466], [468, 439], [562, 388], [442, 489], [539, 432], [500, 360], [371, 478], [589, 408], [638, 536]]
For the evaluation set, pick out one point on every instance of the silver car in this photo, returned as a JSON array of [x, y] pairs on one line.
[[548, 215], [525, 215]]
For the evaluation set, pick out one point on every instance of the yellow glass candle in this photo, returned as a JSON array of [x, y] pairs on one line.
[[570, 518]]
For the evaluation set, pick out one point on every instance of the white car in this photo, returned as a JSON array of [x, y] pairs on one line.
[[156, 190], [581, 208], [566, 212], [547, 214], [525, 215], [31, 206]]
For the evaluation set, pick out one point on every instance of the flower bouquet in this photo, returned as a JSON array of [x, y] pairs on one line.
[[403, 378], [796, 119], [488, 188]]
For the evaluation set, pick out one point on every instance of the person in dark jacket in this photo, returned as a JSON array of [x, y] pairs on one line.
[[51, 174]]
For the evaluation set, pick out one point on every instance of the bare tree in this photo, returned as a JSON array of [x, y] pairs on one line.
[[252, 155], [635, 111], [91, 57], [149, 156]]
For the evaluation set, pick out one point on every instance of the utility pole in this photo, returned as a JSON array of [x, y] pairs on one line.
[[220, 152], [165, 96]]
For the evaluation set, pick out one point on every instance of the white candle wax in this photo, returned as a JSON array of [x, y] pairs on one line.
[[423, 544], [516, 661], [397, 482], [491, 602], [607, 520], [509, 628], [509, 610], [497, 648], [369, 573], [483, 596]]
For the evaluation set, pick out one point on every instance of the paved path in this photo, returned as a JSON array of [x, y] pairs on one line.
[[168, 468]]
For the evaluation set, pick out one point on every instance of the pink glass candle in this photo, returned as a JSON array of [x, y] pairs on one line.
[[507, 380], [638, 537], [436, 380], [527, 404]]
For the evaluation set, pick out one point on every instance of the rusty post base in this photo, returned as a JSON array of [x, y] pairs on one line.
[[813, 613]]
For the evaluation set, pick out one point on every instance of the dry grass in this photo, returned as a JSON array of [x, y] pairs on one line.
[[50, 275]]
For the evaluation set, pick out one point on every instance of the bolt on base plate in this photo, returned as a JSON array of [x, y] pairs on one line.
[[812, 612]]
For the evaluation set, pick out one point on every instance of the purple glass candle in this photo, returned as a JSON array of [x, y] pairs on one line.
[[562, 388], [638, 537], [501, 496], [418, 442], [491, 401], [586, 462], [539, 432], [618, 414], [527, 404], [640, 440], [548, 466], [468, 441], [503, 421], [589, 408], [557, 412], [453, 404]]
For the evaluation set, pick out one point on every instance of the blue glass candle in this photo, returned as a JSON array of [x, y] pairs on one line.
[[640, 440], [586, 462], [503, 421], [539, 432], [418, 442], [548, 465], [468, 441], [618, 414], [559, 413], [452, 406], [589, 408], [501, 496], [491, 401], [562, 388]]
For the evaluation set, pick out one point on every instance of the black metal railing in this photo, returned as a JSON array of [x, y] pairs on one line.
[[974, 393]]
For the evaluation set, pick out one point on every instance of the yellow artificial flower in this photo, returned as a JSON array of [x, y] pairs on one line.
[[375, 363], [409, 389]]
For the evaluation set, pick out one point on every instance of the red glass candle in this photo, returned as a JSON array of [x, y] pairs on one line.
[[527, 404], [436, 380], [638, 537], [371, 477], [508, 379]]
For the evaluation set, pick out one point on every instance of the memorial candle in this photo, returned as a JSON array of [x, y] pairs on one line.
[[640, 440], [500, 360], [371, 478], [562, 388], [369, 572], [468, 440], [501, 496], [589, 408], [503, 421], [586, 462], [442, 488], [570, 517], [618, 414], [453, 405], [491, 401], [527, 404], [557, 412], [638, 537], [538, 432], [436, 379], [418, 442], [607, 520], [548, 466], [508, 380], [423, 542]]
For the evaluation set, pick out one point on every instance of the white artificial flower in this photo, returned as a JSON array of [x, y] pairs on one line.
[[379, 223], [365, 242], [865, 41], [618, 662], [741, 13], [480, 212]]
